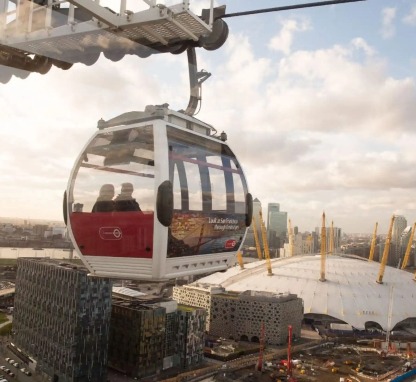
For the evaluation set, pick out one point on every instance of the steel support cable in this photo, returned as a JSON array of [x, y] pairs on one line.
[[287, 8]]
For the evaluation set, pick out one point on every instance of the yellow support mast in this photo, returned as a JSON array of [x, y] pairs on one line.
[[323, 248], [265, 246], [256, 239], [409, 247], [240, 260], [385, 253], [373, 243], [291, 245]]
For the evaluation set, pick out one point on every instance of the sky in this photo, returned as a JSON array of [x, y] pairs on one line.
[[318, 105]]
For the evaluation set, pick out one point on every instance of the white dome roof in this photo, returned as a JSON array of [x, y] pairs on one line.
[[350, 292]]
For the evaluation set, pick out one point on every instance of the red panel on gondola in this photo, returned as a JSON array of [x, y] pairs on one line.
[[114, 234]]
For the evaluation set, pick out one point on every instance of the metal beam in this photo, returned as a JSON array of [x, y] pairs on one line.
[[100, 13]]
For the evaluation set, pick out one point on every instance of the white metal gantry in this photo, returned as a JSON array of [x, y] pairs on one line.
[[52, 27]]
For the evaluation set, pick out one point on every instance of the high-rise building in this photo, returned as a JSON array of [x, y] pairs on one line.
[[191, 335], [276, 226], [395, 254], [148, 335], [61, 319], [137, 338]]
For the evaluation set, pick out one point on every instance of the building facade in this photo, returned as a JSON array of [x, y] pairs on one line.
[[276, 226], [62, 318], [197, 295], [191, 335], [137, 338], [239, 315]]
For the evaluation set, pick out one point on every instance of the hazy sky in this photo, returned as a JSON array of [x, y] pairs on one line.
[[319, 105]]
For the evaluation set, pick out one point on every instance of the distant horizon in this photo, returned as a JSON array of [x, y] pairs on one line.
[[8, 219]]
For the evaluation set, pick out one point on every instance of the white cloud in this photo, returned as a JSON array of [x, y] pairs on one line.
[[360, 43], [410, 18], [284, 40], [325, 129], [315, 129], [388, 16]]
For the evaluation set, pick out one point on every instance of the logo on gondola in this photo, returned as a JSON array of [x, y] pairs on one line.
[[110, 233], [230, 244]]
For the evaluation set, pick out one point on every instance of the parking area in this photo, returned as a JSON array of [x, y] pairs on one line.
[[13, 369]]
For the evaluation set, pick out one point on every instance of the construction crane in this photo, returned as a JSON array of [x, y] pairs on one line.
[[409, 247], [256, 239], [373, 243], [260, 362], [265, 245], [289, 356], [385, 253], [291, 244], [323, 248]]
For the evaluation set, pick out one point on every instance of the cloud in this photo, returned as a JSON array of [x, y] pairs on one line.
[[410, 18], [315, 129], [388, 16], [284, 40]]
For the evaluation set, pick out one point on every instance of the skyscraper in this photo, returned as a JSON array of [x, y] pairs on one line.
[[276, 225], [399, 226], [62, 319]]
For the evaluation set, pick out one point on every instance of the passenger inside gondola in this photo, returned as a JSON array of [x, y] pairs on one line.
[[105, 201], [125, 201]]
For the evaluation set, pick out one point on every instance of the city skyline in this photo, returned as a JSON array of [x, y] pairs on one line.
[[317, 104]]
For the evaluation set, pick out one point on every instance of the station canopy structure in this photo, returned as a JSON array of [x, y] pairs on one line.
[[36, 35], [350, 292]]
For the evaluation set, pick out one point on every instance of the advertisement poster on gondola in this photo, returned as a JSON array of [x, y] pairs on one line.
[[200, 233]]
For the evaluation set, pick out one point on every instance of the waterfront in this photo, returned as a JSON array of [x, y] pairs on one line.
[[53, 253]]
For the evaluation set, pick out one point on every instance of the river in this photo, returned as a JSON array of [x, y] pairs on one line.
[[53, 253]]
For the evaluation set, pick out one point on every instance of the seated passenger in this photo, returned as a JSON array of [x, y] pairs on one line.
[[105, 201], [125, 201]]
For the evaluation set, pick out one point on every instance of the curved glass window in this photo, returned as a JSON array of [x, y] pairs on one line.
[[111, 201], [209, 196]]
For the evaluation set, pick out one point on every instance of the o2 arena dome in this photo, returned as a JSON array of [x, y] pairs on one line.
[[349, 293]]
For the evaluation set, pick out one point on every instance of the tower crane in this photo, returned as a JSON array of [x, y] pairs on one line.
[[409, 247], [385, 253], [373, 243], [323, 248]]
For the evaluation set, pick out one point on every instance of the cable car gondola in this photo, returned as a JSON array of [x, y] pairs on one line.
[[156, 195]]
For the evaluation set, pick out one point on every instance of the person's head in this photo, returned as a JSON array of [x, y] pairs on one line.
[[107, 192], [127, 189]]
